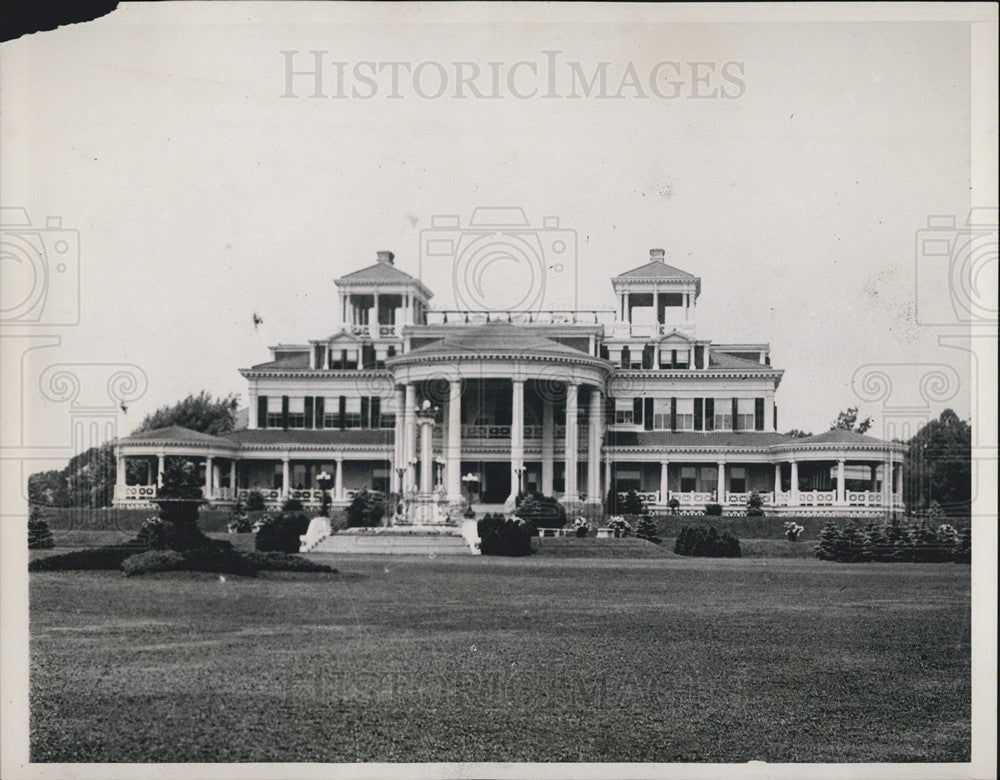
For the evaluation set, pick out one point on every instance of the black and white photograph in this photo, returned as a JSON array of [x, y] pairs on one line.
[[499, 390]]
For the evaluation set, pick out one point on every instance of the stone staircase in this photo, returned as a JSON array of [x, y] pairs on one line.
[[393, 544]]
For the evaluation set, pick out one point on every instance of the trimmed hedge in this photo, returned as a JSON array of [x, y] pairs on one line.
[[281, 533], [499, 535], [96, 558], [707, 543], [895, 542], [279, 561]]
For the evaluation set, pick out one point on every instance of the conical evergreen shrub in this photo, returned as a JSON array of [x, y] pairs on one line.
[[39, 535]]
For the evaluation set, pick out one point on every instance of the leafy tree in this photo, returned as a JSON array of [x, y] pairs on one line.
[[795, 433], [937, 466], [848, 421], [200, 412], [48, 488]]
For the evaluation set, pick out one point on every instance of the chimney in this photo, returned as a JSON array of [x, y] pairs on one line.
[[656, 255], [386, 257]]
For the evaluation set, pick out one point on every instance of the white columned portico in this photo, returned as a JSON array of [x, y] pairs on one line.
[[720, 488], [664, 481], [453, 453], [571, 494], [793, 488], [548, 446], [594, 448], [285, 476], [841, 491], [338, 480], [410, 426], [516, 436]]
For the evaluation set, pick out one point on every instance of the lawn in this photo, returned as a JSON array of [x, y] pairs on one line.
[[546, 658]]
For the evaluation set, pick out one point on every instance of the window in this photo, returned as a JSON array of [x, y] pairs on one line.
[[352, 413], [723, 414], [623, 411], [274, 412], [296, 412], [387, 420], [682, 359], [661, 414], [331, 413], [626, 480], [300, 477], [737, 479], [685, 414], [278, 476], [380, 479], [745, 412], [689, 479]]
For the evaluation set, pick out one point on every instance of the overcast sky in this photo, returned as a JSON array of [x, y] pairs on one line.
[[202, 196]]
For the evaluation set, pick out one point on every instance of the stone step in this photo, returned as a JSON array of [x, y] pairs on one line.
[[387, 544]]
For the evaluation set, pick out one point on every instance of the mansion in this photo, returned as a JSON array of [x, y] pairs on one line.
[[475, 406]]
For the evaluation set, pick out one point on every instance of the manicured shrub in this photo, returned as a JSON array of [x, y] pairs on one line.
[[218, 559], [39, 535], [506, 536], [829, 540], [632, 505], [279, 561], [366, 510], [893, 542], [674, 505], [291, 505], [152, 561], [581, 527], [240, 525], [755, 505], [962, 552], [96, 558], [541, 511], [707, 543], [281, 533], [619, 527], [646, 529], [713, 510], [255, 501], [793, 531]]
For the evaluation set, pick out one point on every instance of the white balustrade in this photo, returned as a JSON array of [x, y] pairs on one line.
[[646, 497], [135, 492], [692, 498], [817, 497]]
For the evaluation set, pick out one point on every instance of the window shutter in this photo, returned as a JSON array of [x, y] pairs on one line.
[[376, 411], [341, 412], [261, 411], [699, 414], [343, 358], [736, 422], [364, 412], [758, 414], [673, 358], [309, 415], [626, 358], [320, 411], [284, 412], [709, 414], [775, 417], [647, 417], [673, 414], [318, 351], [636, 410], [699, 353]]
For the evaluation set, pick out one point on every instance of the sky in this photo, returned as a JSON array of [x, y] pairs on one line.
[[202, 196]]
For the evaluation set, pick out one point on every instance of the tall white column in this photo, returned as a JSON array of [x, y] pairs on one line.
[[897, 486], [232, 477], [594, 448], [119, 470], [338, 480], [777, 480], [720, 488], [571, 494], [872, 477], [841, 487], [793, 488], [159, 469], [209, 477], [285, 476], [664, 481], [410, 450], [516, 434], [548, 447], [453, 454], [399, 442], [426, 454], [607, 476]]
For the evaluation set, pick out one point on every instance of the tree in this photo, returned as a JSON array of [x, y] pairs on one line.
[[39, 535], [848, 421], [201, 412], [795, 433], [937, 466], [646, 529]]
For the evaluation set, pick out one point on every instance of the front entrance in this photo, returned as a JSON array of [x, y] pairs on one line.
[[496, 482]]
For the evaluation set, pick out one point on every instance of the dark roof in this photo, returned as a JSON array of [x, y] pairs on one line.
[[292, 360], [380, 272], [495, 338], [656, 269], [840, 436], [725, 360], [669, 439], [317, 437], [179, 434]]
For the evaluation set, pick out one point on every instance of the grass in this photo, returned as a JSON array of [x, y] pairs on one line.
[[486, 659], [571, 547]]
